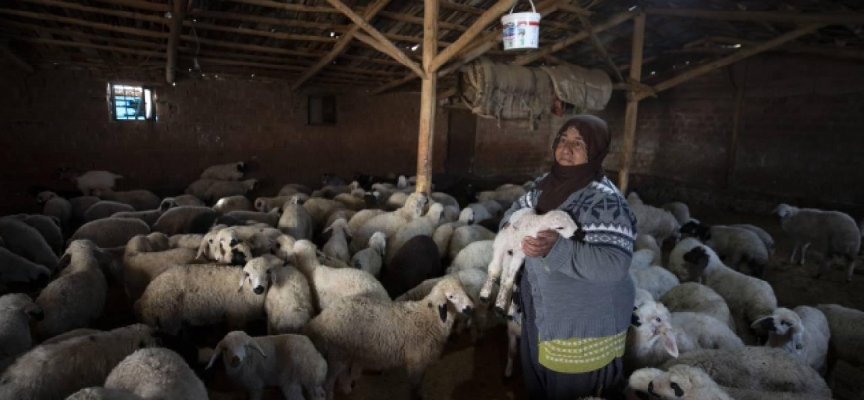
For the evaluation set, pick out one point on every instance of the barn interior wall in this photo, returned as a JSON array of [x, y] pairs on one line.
[[55, 119]]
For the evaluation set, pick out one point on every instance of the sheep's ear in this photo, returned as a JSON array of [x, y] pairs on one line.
[[442, 311], [348, 232], [63, 262], [253, 344], [758, 323], [798, 342], [669, 344], [216, 355], [328, 229]]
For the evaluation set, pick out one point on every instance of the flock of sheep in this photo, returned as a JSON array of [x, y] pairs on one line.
[[311, 288]]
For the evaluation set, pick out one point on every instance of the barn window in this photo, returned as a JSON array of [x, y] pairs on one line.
[[322, 110], [131, 103]]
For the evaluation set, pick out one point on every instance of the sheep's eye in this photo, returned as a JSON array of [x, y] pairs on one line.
[[676, 389], [658, 319], [211, 241], [560, 228], [449, 296], [786, 323], [246, 274]]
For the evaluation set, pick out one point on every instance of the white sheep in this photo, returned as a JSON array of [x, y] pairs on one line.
[[353, 201], [319, 208], [140, 199], [802, 332], [340, 213], [232, 203], [424, 225], [288, 300], [656, 280], [198, 295], [832, 232], [149, 216], [481, 213], [294, 188], [95, 180], [757, 368], [17, 269], [846, 344], [444, 232], [360, 218], [475, 255], [653, 221], [144, 259], [186, 241], [371, 258], [523, 223], [648, 242], [81, 204], [237, 244], [679, 210], [289, 362], [16, 312], [178, 219], [380, 334], [337, 246], [736, 247], [763, 236], [695, 297], [641, 296], [265, 204], [329, 284], [156, 373], [112, 232], [296, 220], [220, 189], [69, 335], [748, 298], [54, 371], [100, 393], [77, 297], [55, 206], [269, 218], [184, 200], [390, 222], [505, 195], [465, 235], [27, 242], [225, 172], [105, 209], [48, 227]]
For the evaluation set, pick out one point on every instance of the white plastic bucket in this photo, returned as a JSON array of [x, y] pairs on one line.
[[521, 30]]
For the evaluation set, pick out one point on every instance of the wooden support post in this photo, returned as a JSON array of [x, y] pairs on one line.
[[428, 98], [340, 45], [738, 56], [6, 51], [736, 126], [632, 102], [492, 14], [177, 17]]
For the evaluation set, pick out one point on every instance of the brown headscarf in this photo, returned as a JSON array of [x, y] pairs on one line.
[[563, 181]]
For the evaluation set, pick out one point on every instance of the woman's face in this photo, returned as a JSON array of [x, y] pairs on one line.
[[571, 149]]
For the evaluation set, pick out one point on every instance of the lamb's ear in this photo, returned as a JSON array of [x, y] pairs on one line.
[[669, 344], [242, 279], [216, 355], [201, 248], [798, 342], [328, 229], [253, 344], [348, 232], [63, 262], [758, 323], [442, 311]]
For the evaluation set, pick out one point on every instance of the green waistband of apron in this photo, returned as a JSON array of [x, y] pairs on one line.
[[580, 355]]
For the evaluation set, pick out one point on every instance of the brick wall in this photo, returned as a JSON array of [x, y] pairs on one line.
[[60, 118]]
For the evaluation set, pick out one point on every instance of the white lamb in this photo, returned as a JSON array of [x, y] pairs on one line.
[[96, 180], [748, 298], [288, 301], [390, 222], [379, 334], [353, 201], [736, 247], [329, 284], [319, 209], [55, 206], [763, 236], [337, 245], [444, 232], [846, 344], [146, 257], [695, 297], [832, 232], [803, 332], [26, 241], [77, 297], [360, 218], [340, 213], [149, 216], [225, 172], [654, 221], [465, 235], [679, 210], [53, 372], [289, 362], [198, 295], [156, 373], [371, 258], [232, 203], [424, 225], [296, 220], [523, 223], [654, 279], [475, 255], [16, 312], [648, 242], [112, 232]]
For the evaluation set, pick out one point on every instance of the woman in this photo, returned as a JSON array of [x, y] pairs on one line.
[[577, 295]]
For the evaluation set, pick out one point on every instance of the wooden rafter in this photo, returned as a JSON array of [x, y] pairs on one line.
[[599, 48], [492, 14], [393, 52], [75, 21], [764, 16], [539, 54], [340, 45], [177, 18]]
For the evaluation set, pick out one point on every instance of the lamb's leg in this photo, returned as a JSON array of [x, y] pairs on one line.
[[850, 269], [804, 248], [794, 252], [494, 272], [502, 303], [415, 378], [512, 351], [334, 370]]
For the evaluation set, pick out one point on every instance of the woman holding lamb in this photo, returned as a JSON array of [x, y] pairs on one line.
[[577, 295]]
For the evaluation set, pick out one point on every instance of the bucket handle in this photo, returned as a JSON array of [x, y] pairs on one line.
[[534, 10]]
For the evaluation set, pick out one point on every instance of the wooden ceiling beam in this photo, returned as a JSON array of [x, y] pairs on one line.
[[763, 16], [177, 18], [79, 22], [159, 19], [492, 14], [72, 33], [535, 55], [258, 32], [288, 6], [393, 52], [139, 4], [600, 49], [85, 45], [252, 48]]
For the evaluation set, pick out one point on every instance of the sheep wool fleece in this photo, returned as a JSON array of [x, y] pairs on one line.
[[581, 295]]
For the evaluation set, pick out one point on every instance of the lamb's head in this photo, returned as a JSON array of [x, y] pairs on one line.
[[167, 204], [652, 323], [684, 381], [235, 348], [378, 241], [467, 216], [340, 224], [83, 248], [642, 297], [283, 247], [305, 251], [450, 297], [139, 244], [695, 229], [43, 197], [358, 193], [241, 166], [21, 305], [784, 210], [415, 204], [251, 184], [560, 222], [402, 182], [783, 323], [230, 249], [435, 213], [159, 241], [640, 379], [258, 271], [260, 204]]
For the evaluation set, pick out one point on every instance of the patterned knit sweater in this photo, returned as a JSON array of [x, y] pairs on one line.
[[583, 289]]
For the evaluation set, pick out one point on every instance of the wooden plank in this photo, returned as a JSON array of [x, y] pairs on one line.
[[491, 15], [258, 32], [159, 19], [736, 127], [288, 6], [535, 55], [66, 43], [383, 44], [253, 48], [738, 56], [139, 4], [291, 23], [631, 111], [340, 45], [79, 22], [428, 98], [419, 21], [177, 18], [72, 33], [570, 8], [599, 48], [15, 59], [460, 7], [764, 16]]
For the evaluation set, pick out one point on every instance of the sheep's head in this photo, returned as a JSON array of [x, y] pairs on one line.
[[378, 241], [159, 241], [305, 250], [683, 381], [43, 197], [640, 379], [783, 324], [436, 212], [560, 222], [450, 296], [230, 249], [235, 348], [695, 229], [167, 204], [695, 262], [21, 303], [139, 244], [339, 224], [402, 182], [467, 215], [241, 166], [260, 204], [784, 210], [251, 184], [258, 271], [652, 323], [415, 203], [283, 247]]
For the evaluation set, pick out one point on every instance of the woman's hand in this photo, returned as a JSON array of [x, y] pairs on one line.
[[541, 245]]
